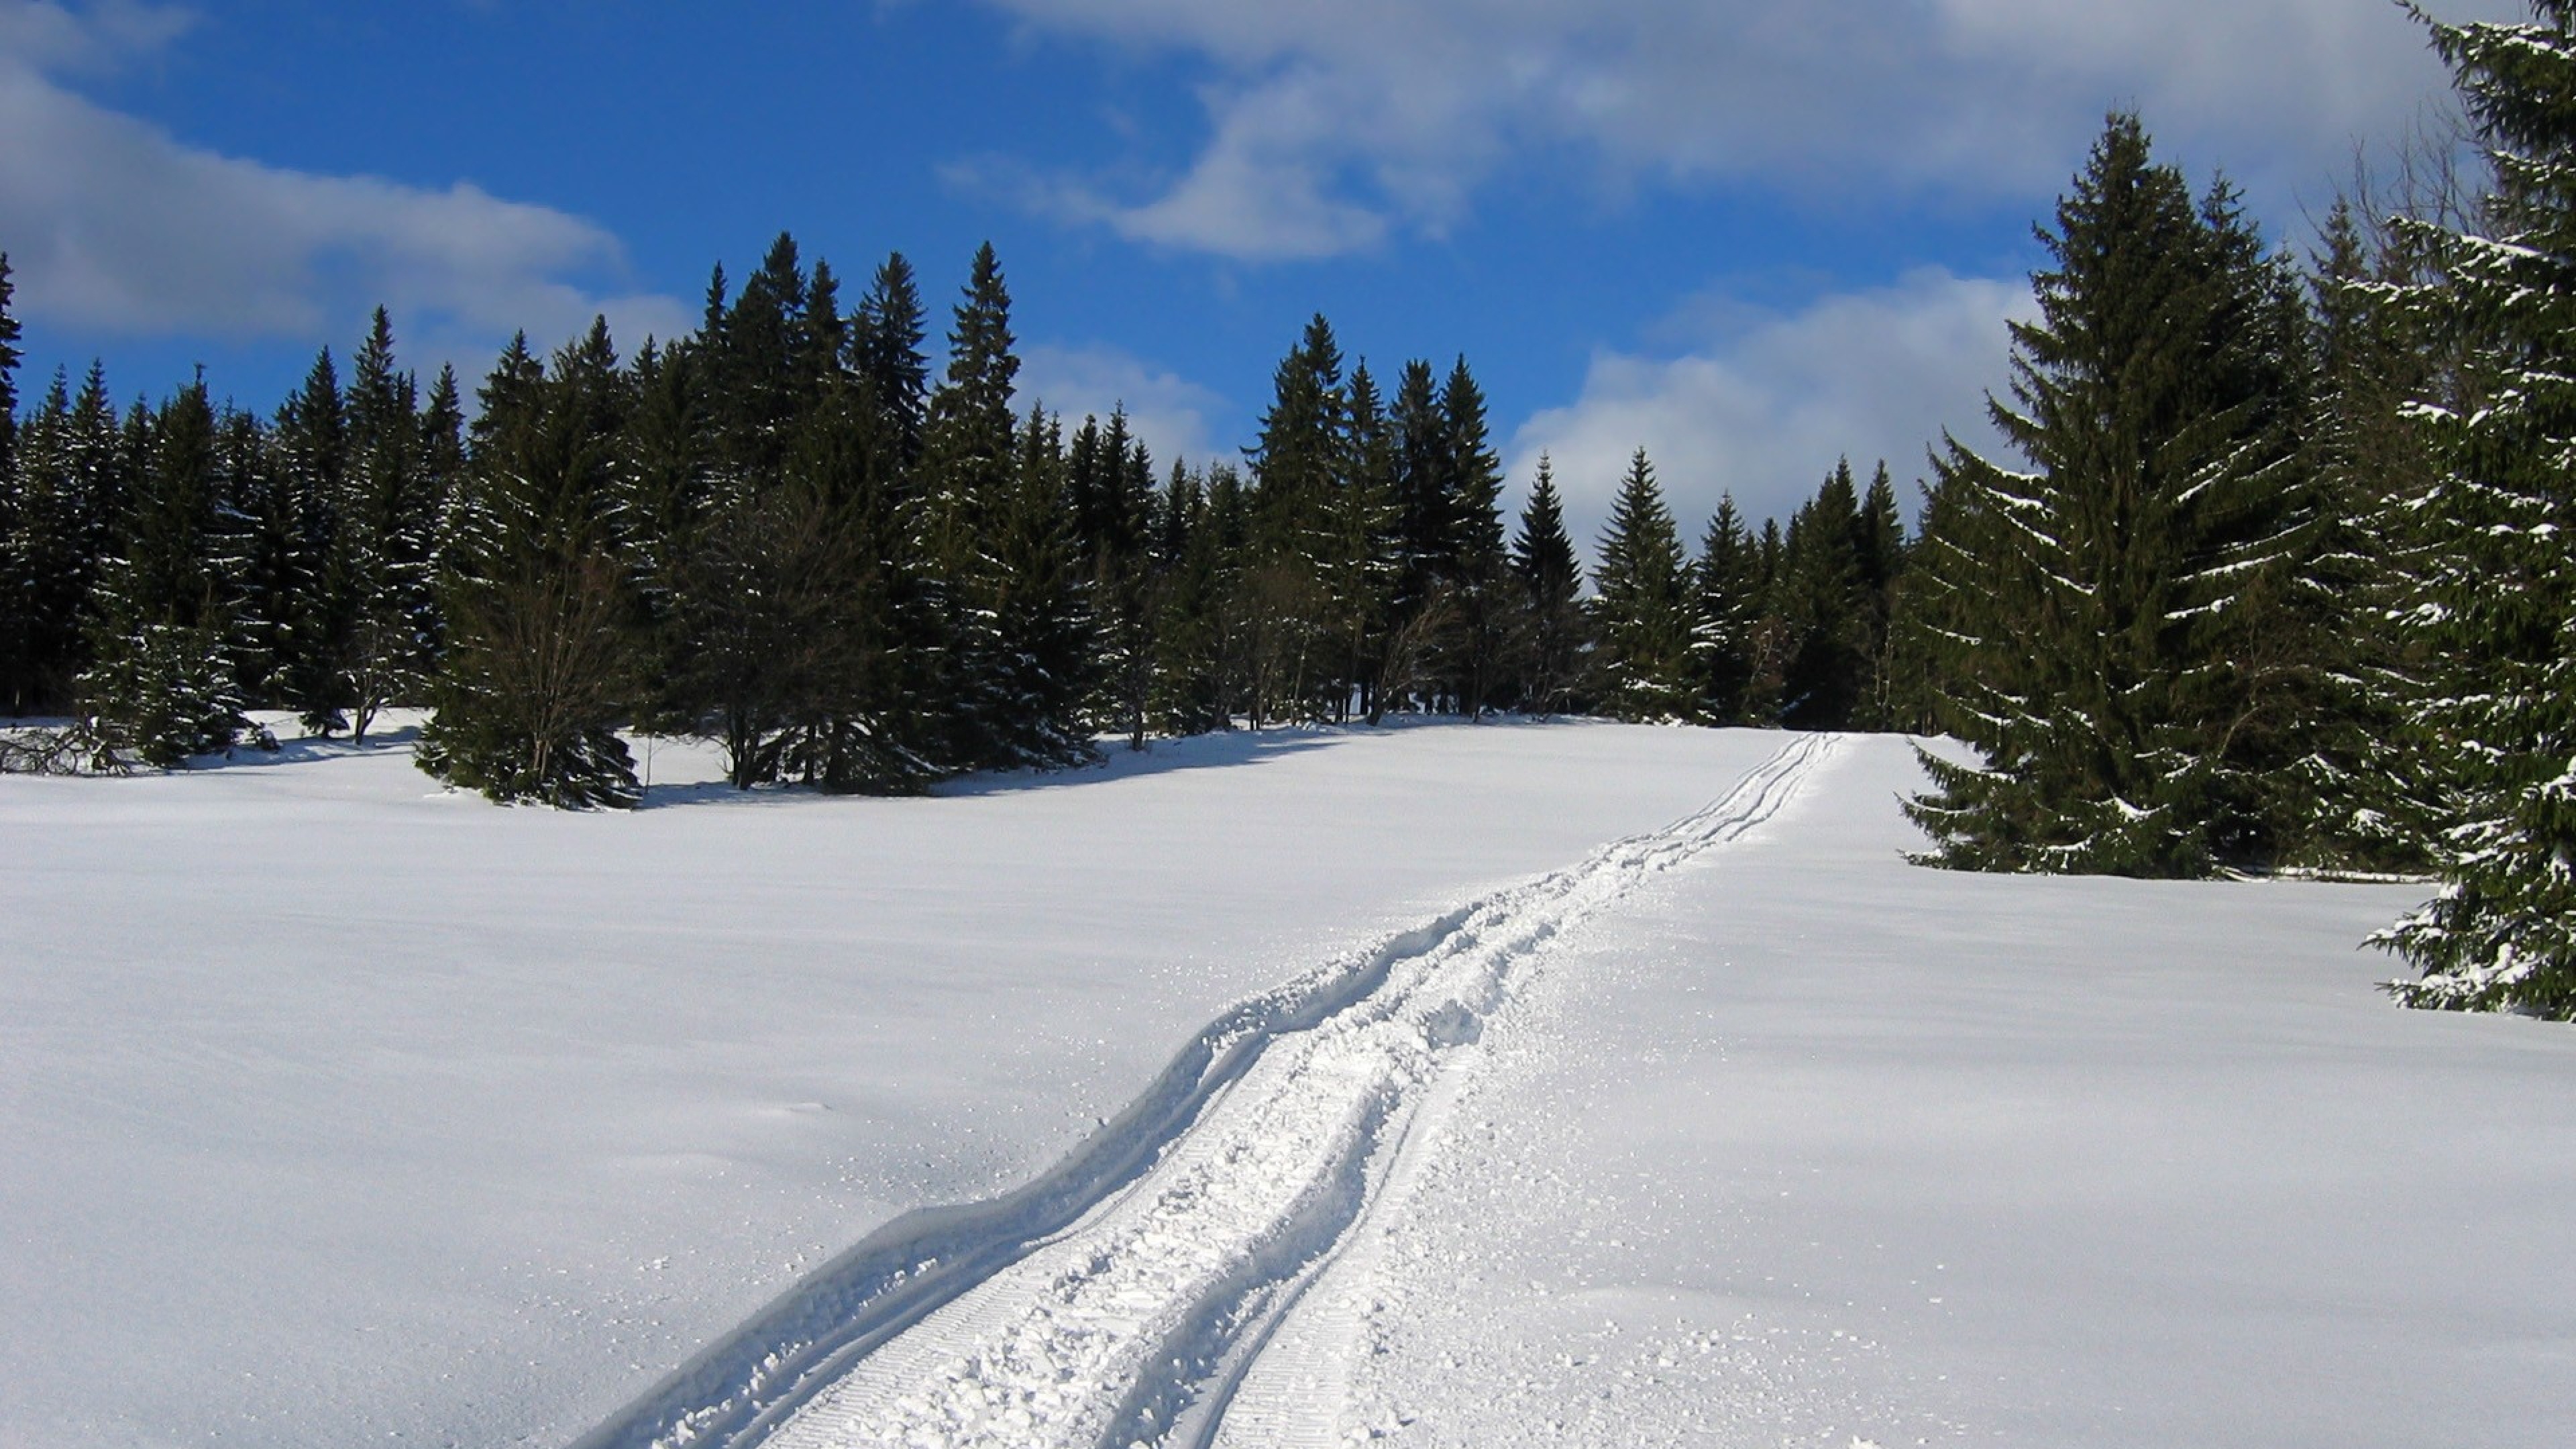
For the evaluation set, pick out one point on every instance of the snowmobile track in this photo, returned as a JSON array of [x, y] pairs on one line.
[[1126, 1294]]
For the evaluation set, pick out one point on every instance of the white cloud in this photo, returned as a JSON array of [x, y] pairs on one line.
[[1168, 412], [1332, 121], [1764, 408], [112, 224]]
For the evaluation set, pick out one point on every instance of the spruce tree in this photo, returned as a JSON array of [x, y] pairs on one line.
[[1474, 562], [967, 489], [381, 557], [888, 342], [1361, 559], [2107, 654], [539, 605], [46, 561], [315, 612], [1880, 554], [1642, 606], [1822, 608], [160, 686], [9, 358], [2499, 602], [1551, 584], [1727, 575], [1298, 464]]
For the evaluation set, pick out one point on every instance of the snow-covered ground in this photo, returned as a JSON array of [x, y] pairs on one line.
[[1309, 1085]]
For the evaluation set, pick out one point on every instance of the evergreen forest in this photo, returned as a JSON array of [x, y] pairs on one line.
[[2273, 575]]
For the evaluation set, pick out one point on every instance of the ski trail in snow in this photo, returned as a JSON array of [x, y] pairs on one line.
[[1133, 1293]]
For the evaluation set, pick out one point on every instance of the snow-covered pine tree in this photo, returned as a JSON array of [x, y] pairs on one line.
[[1193, 671], [1727, 578], [1642, 606], [2354, 799], [9, 358], [1881, 556], [1551, 584], [1041, 609], [381, 555], [46, 560], [314, 608], [1360, 586], [2104, 605], [1109, 478], [1476, 566], [1820, 601], [966, 486], [160, 684], [540, 658], [2500, 600], [1298, 463]]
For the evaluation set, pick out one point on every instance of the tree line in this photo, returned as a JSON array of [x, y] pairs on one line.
[[786, 533], [2276, 577]]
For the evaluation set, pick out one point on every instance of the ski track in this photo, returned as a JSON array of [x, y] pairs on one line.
[[1137, 1291]]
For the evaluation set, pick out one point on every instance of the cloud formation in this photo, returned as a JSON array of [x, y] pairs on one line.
[[1762, 407], [1333, 122], [112, 224], [1168, 412]]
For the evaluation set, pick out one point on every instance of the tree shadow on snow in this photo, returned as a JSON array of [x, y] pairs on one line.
[[1223, 750]]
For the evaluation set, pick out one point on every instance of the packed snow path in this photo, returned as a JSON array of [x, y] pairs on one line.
[[1126, 1295]]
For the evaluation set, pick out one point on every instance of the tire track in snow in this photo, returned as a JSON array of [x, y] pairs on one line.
[[1127, 1293]]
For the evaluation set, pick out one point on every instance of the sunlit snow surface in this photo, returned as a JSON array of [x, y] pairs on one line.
[[335, 1110]]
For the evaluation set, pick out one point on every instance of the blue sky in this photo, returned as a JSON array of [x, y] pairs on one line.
[[1748, 236]]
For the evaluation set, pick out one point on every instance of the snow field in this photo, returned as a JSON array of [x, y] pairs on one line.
[[1815, 1148], [338, 1109], [1117, 1329]]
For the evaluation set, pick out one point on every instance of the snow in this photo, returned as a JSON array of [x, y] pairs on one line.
[[1311, 1085], [336, 1107]]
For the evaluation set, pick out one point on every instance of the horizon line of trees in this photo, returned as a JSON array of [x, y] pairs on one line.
[[2280, 578], [784, 533]]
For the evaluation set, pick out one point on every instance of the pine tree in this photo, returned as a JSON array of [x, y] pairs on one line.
[[1551, 583], [1298, 464], [538, 605], [2355, 798], [2500, 591], [1642, 607], [1360, 557], [1474, 562], [888, 344], [160, 686], [967, 491], [314, 608], [2107, 658], [388, 522], [1880, 554], [9, 358], [1727, 575], [1194, 643], [1821, 604]]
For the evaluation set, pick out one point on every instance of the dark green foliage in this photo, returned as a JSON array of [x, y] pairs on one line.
[[160, 687], [1728, 578], [9, 358], [54, 535], [2110, 612], [1551, 585], [311, 616], [1642, 612], [2498, 586], [540, 648], [380, 559], [1821, 598], [1472, 564]]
